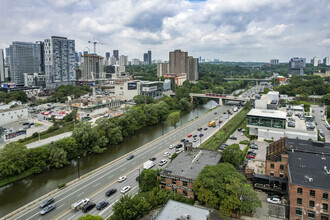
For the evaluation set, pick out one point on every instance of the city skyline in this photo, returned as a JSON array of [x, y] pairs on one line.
[[230, 31]]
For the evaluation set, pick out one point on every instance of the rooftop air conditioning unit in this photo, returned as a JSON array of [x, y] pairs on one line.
[[310, 180]]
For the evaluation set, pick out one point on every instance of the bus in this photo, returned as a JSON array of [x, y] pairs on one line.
[[211, 123]]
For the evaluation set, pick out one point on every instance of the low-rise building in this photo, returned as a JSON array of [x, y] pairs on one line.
[[13, 114], [178, 78], [35, 80], [178, 210], [152, 88], [179, 175]]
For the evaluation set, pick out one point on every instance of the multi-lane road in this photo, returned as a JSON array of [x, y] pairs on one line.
[[95, 184]]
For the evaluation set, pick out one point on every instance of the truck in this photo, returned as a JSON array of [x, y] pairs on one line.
[[78, 205], [235, 109], [211, 123], [148, 164]]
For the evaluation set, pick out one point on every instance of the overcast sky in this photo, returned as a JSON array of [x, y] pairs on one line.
[[231, 30]]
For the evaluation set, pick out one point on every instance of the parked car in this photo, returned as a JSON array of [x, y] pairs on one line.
[[130, 157], [111, 192], [46, 202], [233, 137], [250, 156], [199, 129], [178, 151], [47, 209], [125, 189], [152, 158], [102, 205], [182, 140], [195, 139], [172, 146], [162, 162], [201, 135], [195, 135], [205, 129], [122, 179], [215, 113], [167, 154], [254, 146], [274, 200], [190, 135], [220, 122]]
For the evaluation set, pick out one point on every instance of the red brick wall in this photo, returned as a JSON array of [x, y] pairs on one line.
[[276, 168], [318, 199]]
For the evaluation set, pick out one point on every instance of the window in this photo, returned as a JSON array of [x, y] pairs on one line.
[[184, 192], [312, 193], [281, 167], [281, 174], [184, 183], [311, 204], [272, 166], [324, 217], [299, 212], [311, 215], [173, 182], [300, 191], [299, 201], [271, 173], [325, 196], [325, 207]]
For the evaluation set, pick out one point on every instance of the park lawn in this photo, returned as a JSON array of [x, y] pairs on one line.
[[222, 135]]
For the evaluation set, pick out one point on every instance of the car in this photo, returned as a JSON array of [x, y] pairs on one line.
[[254, 146], [250, 156], [111, 192], [182, 140], [225, 113], [273, 200], [167, 154], [215, 113], [242, 133], [46, 202], [122, 179], [190, 135], [88, 206], [195, 135], [125, 189], [223, 146], [213, 126], [239, 129], [233, 137], [195, 139], [162, 162], [199, 129], [137, 178], [178, 151], [47, 209], [101, 205], [172, 146], [201, 135], [179, 146], [220, 122], [205, 129], [186, 141], [130, 157], [152, 158]]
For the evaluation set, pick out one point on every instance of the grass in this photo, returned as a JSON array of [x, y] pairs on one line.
[[223, 134], [37, 125], [12, 179]]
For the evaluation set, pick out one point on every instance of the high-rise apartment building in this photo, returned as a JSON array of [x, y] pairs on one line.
[[59, 61], [24, 58], [123, 60], [178, 62], [2, 66], [163, 68], [326, 61], [107, 55], [145, 58], [135, 61], [314, 61], [274, 62], [116, 54], [92, 64], [297, 66], [149, 57], [7, 59], [192, 69]]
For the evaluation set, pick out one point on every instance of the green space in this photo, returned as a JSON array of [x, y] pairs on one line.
[[223, 134]]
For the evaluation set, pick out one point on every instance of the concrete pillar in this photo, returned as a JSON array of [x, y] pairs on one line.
[[191, 99], [220, 101]]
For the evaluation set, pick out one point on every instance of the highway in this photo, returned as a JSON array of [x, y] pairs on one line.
[[95, 184], [320, 123]]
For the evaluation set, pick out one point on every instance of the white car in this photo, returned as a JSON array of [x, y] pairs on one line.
[[122, 178], [172, 146], [178, 151], [167, 154], [196, 139], [273, 200], [162, 162], [125, 189]]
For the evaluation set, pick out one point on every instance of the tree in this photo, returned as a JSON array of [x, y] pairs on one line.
[[85, 135], [37, 158], [57, 157], [162, 110], [148, 180], [151, 114], [233, 155], [173, 119], [125, 208], [70, 145], [139, 99], [13, 159], [90, 217]]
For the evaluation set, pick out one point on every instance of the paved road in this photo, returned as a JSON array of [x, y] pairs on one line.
[[95, 185], [320, 124], [49, 140]]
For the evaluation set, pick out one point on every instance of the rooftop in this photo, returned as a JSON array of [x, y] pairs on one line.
[[189, 164], [309, 164], [178, 210], [267, 113]]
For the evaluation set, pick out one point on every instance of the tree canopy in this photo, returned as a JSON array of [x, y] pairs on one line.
[[148, 180], [233, 155]]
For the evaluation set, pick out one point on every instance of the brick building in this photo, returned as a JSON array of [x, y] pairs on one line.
[[180, 174]]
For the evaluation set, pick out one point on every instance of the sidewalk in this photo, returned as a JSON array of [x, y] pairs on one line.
[[49, 140]]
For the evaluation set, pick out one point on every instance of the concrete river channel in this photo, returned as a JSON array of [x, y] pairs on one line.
[[17, 194]]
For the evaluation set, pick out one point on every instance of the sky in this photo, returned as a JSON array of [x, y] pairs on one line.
[[229, 30]]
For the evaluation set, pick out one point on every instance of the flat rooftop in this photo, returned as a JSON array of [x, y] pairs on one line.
[[189, 164], [178, 210], [267, 113]]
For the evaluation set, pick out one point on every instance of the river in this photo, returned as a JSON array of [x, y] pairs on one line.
[[17, 194]]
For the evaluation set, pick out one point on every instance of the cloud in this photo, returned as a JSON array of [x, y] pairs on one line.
[[237, 30]]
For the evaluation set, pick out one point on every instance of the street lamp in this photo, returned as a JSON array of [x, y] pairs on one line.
[[78, 167]]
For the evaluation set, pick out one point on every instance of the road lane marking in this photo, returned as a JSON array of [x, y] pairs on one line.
[[72, 216], [61, 205]]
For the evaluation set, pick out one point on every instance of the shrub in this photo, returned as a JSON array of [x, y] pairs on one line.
[[61, 185]]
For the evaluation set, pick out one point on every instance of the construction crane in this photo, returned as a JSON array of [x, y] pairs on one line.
[[94, 42]]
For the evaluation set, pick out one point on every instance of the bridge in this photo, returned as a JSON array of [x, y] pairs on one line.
[[248, 79], [219, 98]]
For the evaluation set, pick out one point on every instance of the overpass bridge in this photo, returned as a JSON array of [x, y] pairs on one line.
[[248, 79], [219, 98]]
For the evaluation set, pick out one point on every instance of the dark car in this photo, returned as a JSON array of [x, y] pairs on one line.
[[223, 146], [205, 129], [137, 178], [233, 137], [130, 157], [101, 205], [199, 129], [220, 122], [214, 126], [186, 141], [26, 123], [179, 146], [239, 129], [88, 207], [195, 135], [47, 209], [182, 140], [46, 202], [201, 135], [152, 158], [215, 113], [111, 192]]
